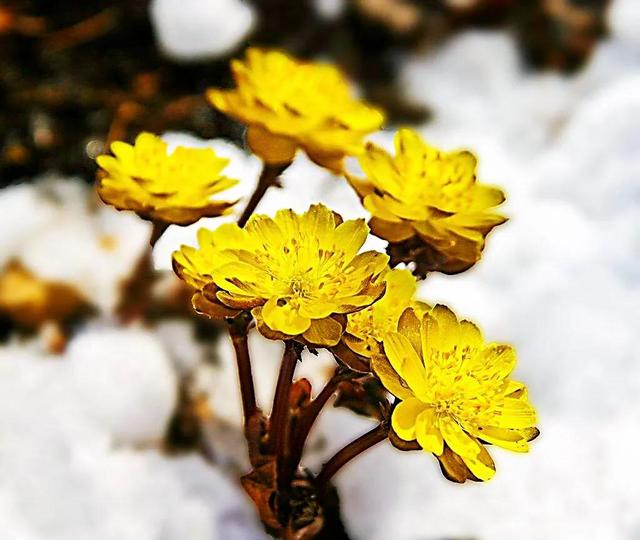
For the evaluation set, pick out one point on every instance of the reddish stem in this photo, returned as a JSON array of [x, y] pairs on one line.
[[268, 177], [238, 330], [308, 417], [346, 454], [280, 413], [159, 227]]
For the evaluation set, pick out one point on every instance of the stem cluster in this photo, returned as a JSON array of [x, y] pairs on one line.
[[287, 497]]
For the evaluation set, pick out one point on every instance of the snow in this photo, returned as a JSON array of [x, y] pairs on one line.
[[126, 382], [329, 9], [196, 30], [52, 228], [67, 426]]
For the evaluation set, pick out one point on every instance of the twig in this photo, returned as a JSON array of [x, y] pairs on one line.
[[87, 30]]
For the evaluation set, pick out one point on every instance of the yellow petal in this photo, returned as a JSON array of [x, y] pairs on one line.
[[448, 328], [482, 466], [379, 167], [390, 378], [428, 434], [325, 332], [409, 326], [405, 361], [496, 360], [280, 315], [512, 413], [505, 438], [468, 448], [457, 439], [379, 208], [350, 236], [241, 278], [392, 231], [404, 417], [469, 335], [271, 148]]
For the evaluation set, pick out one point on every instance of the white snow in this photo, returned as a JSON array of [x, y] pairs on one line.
[[60, 232], [197, 29], [125, 381], [329, 9], [65, 472]]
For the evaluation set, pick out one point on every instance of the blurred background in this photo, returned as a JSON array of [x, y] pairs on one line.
[[119, 409]]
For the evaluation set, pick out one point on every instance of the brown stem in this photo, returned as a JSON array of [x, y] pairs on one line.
[[159, 227], [238, 330], [308, 417], [279, 425], [268, 177], [346, 454]]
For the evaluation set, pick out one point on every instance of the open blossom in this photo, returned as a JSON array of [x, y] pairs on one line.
[[455, 392], [299, 274], [289, 104], [427, 203], [174, 188], [366, 327]]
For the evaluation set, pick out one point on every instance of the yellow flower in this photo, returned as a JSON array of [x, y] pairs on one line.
[[290, 104], [299, 274], [173, 188], [427, 203], [366, 327], [455, 392]]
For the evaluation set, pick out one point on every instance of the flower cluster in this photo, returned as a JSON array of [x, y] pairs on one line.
[[427, 203], [171, 188], [302, 278], [290, 104]]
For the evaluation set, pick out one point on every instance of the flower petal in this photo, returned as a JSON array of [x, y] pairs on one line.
[[404, 418], [428, 433], [405, 360], [280, 315], [324, 332], [389, 377]]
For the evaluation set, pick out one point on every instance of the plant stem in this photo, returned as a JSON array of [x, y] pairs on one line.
[[280, 413], [238, 330], [346, 454], [159, 227], [308, 417], [268, 177]]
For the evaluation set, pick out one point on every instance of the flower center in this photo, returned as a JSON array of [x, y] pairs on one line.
[[300, 286]]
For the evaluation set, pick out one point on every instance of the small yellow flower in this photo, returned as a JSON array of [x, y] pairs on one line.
[[290, 104], [173, 188], [366, 327], [299, 274], [455, 392], [426, 198]]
